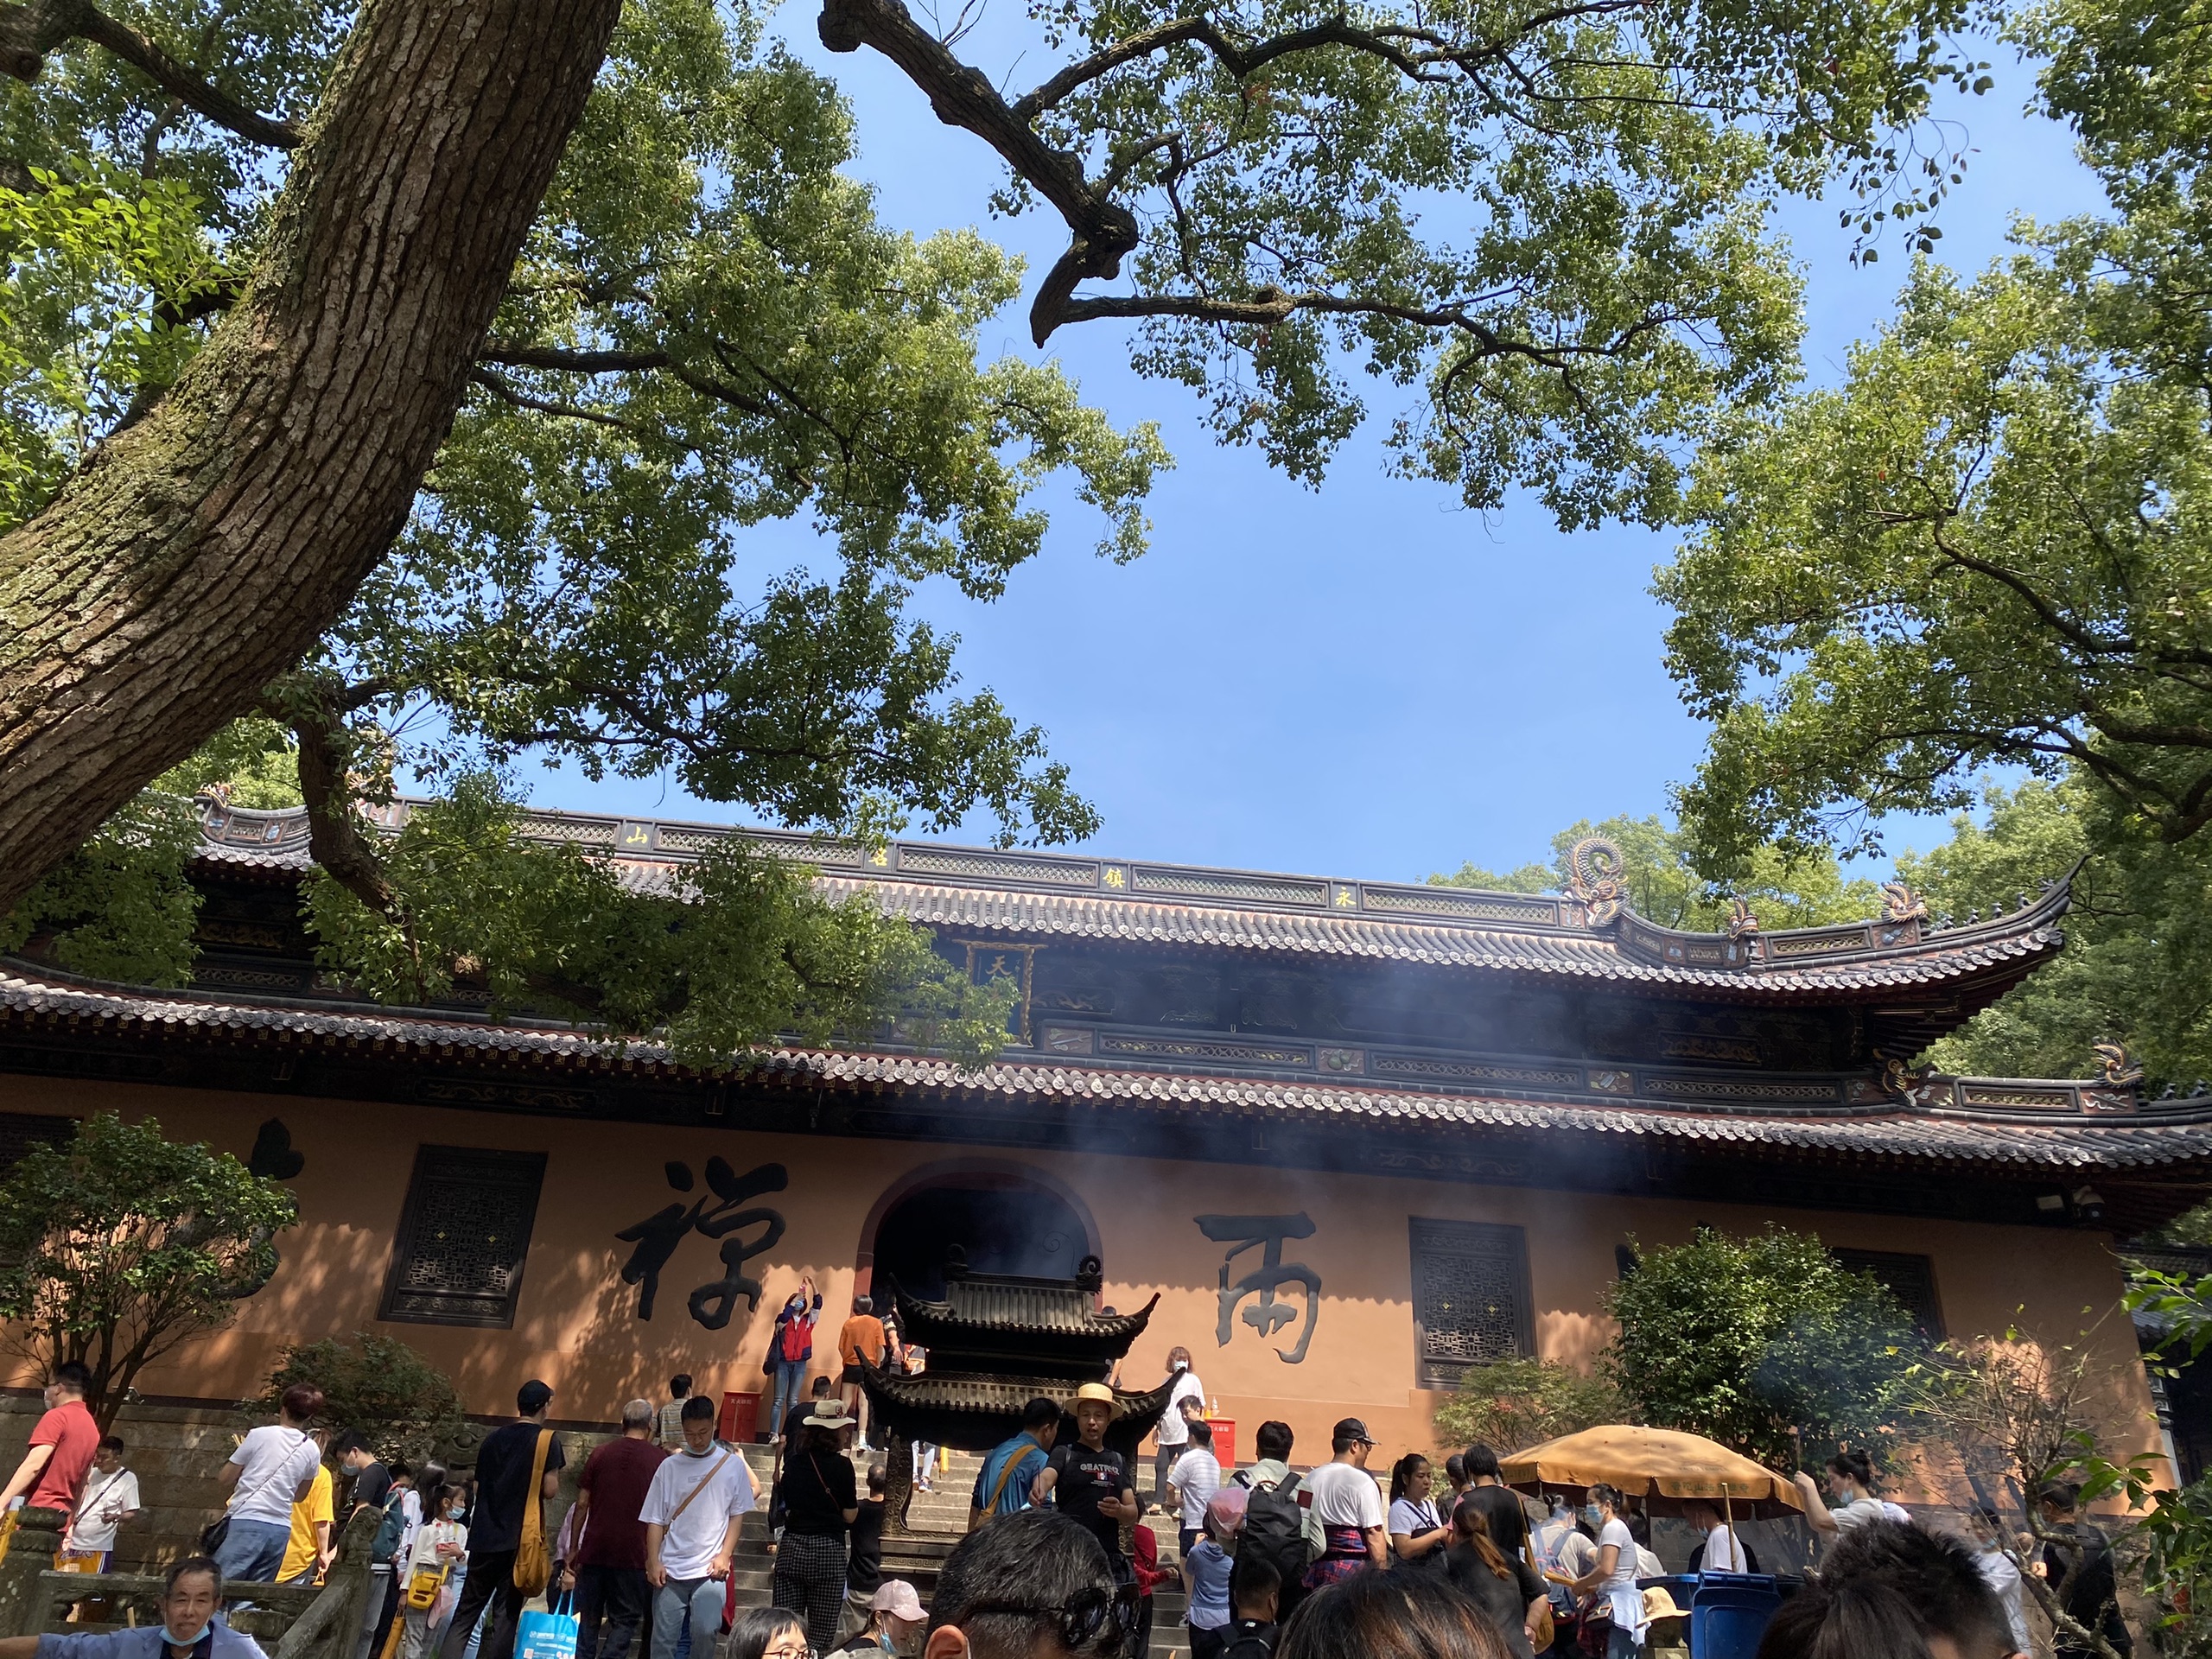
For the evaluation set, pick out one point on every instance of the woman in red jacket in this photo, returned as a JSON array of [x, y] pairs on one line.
[[791, 1347]]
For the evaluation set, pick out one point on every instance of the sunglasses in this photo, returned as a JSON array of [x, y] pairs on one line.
[[1083, 1618]]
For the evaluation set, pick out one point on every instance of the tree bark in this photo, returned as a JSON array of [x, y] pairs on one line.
[[201, 553]]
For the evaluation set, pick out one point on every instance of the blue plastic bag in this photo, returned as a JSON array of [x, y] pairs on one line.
[[548, 1635]]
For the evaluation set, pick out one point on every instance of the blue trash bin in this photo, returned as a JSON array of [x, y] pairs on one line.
[[1729, 1613]]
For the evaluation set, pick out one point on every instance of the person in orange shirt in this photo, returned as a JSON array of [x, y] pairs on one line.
[[62, 1445], [861, 1339]]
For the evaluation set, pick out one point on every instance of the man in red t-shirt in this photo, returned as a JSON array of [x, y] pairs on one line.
[[53, 1470], [608, 1558]]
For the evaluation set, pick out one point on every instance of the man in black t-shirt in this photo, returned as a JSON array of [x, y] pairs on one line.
[[1500, 1505], [503, 1465], [1088, 1483], [371, 1480]]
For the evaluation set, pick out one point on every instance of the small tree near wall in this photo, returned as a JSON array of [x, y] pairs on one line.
[[1753, 1342], [405, 1406], [120, 1246], [1513, 1404]]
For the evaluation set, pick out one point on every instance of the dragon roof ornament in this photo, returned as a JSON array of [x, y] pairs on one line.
[[1594, 876]]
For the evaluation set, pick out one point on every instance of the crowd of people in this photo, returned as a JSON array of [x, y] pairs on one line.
[[1060, 1560]]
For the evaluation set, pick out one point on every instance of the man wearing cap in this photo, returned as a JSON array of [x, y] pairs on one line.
[[503, 1465], [1089, 1484], [1349, 1505], [895, 1620]]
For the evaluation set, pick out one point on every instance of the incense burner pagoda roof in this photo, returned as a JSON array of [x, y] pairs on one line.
[[974, 1412], [1000, 1304], [1034, 895]]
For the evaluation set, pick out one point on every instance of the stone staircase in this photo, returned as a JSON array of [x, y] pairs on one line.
[[938, 1520]]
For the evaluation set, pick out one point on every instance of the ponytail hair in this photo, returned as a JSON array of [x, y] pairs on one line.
[[1473, 1526]]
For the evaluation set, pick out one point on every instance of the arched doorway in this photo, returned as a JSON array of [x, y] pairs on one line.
[[1007, 1218]]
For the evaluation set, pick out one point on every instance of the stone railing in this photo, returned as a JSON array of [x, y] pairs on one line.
[[291, 1621]]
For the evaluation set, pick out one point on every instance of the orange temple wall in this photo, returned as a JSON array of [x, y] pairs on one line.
[[575, 1323]]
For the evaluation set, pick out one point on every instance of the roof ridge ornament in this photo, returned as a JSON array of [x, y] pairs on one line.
[[1742, 923], [1594, 876], [1901, 904], [2116, 1067]]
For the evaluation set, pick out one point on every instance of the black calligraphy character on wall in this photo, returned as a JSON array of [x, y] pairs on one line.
[[657, 1238], [725, 1217], [1268, 1314], [659, 1234]]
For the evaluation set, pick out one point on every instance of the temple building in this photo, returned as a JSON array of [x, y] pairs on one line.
[[1341, 1139]]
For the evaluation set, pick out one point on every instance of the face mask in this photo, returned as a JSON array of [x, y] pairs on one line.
[[456, 1511], [1593, 1514], [177, 1641], [1180, 1365]]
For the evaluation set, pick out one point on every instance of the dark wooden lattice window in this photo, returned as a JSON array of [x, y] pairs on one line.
[[1471, 1298], [21, 1131], [463, 1236], [1910, 1278]]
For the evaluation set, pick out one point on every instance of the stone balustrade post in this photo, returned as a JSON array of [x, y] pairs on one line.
[[30, 1551]]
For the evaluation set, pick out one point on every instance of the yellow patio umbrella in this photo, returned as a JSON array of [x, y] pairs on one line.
[[1660, 1465]]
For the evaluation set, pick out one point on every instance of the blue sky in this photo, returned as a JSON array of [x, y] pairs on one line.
[[1363, 680]]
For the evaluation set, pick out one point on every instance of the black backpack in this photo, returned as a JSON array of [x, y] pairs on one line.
[[1275, 1529]]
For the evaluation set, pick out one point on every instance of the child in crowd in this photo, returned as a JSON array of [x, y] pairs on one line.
[[1144, 1560], [440, 1551], [1206, 1568], [1254, 1589]]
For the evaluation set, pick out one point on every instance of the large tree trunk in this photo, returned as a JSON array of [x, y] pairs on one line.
[[201, 552]]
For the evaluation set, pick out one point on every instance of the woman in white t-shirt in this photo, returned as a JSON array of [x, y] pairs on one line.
[[1418, 1533], [1851, 1477], [1172, 1436], [1611, 1577]]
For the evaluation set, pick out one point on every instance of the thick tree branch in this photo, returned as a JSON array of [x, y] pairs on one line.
[[515, 355], [180, 83], [516, 398], [336, 836], [1102, 230], [562, 359], [29, 32], [198, 556]]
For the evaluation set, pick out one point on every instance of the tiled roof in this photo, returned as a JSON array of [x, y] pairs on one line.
[[1049, 895], [1986, 1123]]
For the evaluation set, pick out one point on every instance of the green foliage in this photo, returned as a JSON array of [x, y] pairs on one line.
[[120, 1245], [739, 951], [254, 761], [1657, 863], [1988, 545], [576, 584], [1755, 1342], [710, 329], [405, 1406], [1511, 1404], [2136, 938], [2176, 1538], [1580, 190], [120, 907], [99, 277]]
